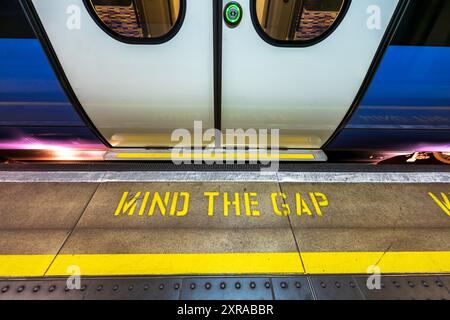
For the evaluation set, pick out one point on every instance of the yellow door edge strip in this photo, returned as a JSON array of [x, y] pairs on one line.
[[173, 264], [387, 262]]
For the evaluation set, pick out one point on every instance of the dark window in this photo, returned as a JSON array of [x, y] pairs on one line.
[[139, 19], [13, 21], [297, 21]]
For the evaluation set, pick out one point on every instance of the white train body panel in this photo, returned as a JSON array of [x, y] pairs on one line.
[[303, 91], [136, 94]]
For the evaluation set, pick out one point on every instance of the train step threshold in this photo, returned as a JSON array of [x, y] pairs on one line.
[[216, 155]]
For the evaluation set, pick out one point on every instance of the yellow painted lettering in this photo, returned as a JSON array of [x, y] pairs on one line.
[[125, 205], [211, 196], [286, 209], [227, 203], [248, 203], [319, 201], [185, 210], [173, 206], [144, 203], [301, 205], [444, 204], [157, 201]]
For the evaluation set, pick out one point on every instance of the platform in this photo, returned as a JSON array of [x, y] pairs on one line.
[[308, 226]]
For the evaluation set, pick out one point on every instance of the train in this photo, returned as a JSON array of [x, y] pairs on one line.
[[349, 80]]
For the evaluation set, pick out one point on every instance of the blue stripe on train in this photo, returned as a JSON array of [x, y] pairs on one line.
[[30, 93], [391, 140], [407, 105], [411, 89], [34, 110]]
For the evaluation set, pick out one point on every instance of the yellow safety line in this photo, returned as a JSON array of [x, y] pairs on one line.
[[225, 263], [24, 265], [246, 156], [389, 262], [169, 264]]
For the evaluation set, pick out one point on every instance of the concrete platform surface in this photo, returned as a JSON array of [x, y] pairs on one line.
[[285, 224]]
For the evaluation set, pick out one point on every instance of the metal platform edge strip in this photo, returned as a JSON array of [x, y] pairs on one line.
[[265, 287], [219, 176]]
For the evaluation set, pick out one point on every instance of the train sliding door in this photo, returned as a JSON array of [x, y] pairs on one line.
[[139, 68], [297, 65], [143, 68]]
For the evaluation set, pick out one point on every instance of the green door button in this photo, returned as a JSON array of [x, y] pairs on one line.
[[233, 14]]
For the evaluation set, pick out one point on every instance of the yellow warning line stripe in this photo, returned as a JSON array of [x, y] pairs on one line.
[[171, 264], [225, 263], [389, 262], [246, 156], [24, 265]]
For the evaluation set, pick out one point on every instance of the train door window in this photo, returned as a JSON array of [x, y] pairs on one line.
[[147, 21], [297, 22]]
